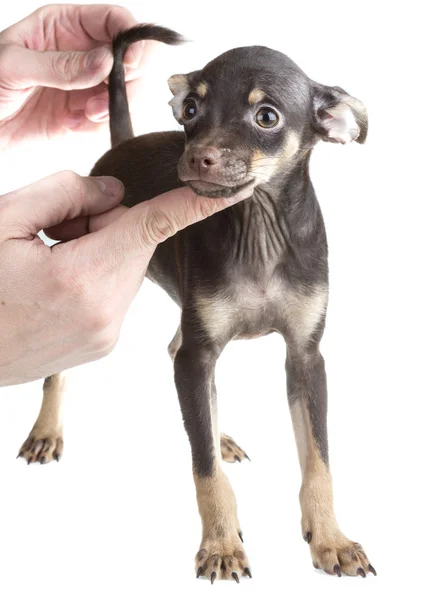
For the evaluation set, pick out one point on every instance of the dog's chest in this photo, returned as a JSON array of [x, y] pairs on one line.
[[266, 279], [247, 310]]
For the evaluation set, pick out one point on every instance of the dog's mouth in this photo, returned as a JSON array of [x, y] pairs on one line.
[[216, 190]]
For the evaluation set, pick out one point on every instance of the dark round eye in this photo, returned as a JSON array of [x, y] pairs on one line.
[[189, 110], [267, 118]]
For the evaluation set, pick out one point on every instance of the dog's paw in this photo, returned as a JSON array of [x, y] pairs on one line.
[[336, 555], [42, 447], [222, 559], [230, 451]]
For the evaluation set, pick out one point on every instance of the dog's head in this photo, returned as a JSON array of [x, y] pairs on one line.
[[250, 113]]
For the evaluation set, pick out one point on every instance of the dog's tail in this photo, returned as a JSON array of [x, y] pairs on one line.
[[119, 116]]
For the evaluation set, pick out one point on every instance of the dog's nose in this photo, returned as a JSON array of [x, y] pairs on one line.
[[202, 159]]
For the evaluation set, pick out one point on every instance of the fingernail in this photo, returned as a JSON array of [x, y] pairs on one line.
[[98, 107], [95, 58], [110, 185]]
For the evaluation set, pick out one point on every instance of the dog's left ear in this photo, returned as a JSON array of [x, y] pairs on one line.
[[337, 116], [179, 86]]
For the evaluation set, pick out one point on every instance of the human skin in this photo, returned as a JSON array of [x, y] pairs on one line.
[[53, 67]]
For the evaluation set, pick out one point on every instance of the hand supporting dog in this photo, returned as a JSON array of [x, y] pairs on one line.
[[251, 120]]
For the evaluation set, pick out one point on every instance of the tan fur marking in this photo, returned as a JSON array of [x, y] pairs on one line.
[[256, 96], [202, 89], [264, 167], [175, 343], [303, 310], [221, 544], [215, 313], [45, 441], [329, 546]]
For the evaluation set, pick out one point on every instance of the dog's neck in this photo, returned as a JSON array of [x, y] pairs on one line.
[[278, 218]]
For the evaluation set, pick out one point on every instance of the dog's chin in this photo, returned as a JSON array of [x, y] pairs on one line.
[[215, 190]]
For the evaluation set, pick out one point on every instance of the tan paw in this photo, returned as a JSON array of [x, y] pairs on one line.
[[337, 555], [222, 559], [42, 447], [230, 451]]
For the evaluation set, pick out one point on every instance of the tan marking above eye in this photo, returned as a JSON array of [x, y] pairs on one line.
[[255, 96], [202, 89]]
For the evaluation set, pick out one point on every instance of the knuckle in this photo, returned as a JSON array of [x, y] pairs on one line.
[[158, 226], [207, 207], [99, 321], [65, 65], [106, 346], [104, 334], [71, 185], [69, 179]]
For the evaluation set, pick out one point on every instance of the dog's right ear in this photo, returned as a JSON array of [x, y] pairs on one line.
[[180, 86], [337, 116]]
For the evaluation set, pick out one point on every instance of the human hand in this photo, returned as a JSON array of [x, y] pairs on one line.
[[53, 65], [63, 305]]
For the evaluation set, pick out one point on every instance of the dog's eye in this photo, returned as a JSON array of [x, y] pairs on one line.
[[189, 110], [267, 118]]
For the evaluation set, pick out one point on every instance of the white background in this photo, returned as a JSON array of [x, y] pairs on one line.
[[117, 517]]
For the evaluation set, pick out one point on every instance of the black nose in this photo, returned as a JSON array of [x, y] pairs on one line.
[[202, 159]]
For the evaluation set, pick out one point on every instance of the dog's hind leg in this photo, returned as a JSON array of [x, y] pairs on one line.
[[45, 441], [221, 554], [175, 343], [230, 450]]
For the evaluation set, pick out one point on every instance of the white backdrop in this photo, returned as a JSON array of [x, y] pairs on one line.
[[117, 517]]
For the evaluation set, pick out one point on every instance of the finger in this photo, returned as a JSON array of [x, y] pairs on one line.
[[57, 198], [21, 68], [103, 22], [133, 237], [78, 99], [76, 228]]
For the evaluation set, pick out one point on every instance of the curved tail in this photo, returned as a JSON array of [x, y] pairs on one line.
[[119, 116]]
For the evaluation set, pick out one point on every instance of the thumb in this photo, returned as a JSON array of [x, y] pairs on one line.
[[22, 68], [55, 199], [133, 235]]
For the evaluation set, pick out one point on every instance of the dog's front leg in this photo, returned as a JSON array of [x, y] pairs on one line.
[[330, 549], [221, 554]]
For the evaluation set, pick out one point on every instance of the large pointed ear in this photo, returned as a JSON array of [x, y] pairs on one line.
[[337, 116], [180, 86]]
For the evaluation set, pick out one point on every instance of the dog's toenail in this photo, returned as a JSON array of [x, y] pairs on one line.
[[337, 570]]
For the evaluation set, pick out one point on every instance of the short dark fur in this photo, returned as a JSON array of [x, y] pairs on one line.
[[121, 128], [275, 238]]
